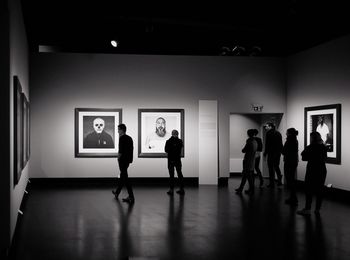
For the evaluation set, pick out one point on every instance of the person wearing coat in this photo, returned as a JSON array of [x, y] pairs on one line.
[[291, 159], [249, 151], [315, 154]]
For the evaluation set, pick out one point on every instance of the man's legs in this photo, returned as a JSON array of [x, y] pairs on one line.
[[120, 182], [243, 181], [289, 173], [276, 166], [250, 177], [271, 170], [178, 167], [258, 171], [125, 180], [171, 177]]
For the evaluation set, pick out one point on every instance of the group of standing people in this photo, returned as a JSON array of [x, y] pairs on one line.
[[315, 154], [173, 148]]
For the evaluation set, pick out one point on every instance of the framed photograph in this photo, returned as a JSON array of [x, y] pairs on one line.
[[155, 126], [96, 132], [18, 130], [26, 130], [327, 121]]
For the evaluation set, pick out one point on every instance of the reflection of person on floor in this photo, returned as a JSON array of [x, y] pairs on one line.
[[175, 238], [273, 149], [156, 140], [291, 158], [125, 237], [323, 129], [173, 148], [257, 156], [315, 154], [98, 138], [125, 157], [249, 151]]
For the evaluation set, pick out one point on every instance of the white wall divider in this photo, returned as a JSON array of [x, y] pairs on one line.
[[208, 142]]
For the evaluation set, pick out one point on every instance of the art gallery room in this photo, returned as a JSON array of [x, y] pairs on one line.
[[71, 74]]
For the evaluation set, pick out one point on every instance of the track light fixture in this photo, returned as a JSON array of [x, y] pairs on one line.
[[238, 50]]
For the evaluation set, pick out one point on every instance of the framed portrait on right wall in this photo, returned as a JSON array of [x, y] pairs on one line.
[[327, 121], [155, 127]]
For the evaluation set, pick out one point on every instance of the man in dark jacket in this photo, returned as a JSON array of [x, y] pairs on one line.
[[125, 157], [173, 147], [273, 150]]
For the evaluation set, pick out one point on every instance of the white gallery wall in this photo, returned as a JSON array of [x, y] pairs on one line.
[[62, 82], [13, 62], [321, 76]]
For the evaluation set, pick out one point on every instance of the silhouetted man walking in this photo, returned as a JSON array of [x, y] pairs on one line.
[[125, 157]]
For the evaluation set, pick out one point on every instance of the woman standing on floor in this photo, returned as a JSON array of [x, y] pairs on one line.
[[291, 158], [249, 151], [315, 154]]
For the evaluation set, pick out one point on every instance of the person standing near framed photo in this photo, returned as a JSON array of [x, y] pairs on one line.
[[173, 148]]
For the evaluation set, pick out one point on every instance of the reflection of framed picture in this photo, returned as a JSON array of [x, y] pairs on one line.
[[155, 126], [26, 132], [96, 132], [327, 121], [18, 130]]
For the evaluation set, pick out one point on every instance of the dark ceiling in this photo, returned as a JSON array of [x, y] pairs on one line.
[[246, 29]]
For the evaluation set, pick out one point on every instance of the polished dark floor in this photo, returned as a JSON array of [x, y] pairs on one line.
[[207, 223]]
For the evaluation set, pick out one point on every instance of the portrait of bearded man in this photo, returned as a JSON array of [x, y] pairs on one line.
[[155, 141]]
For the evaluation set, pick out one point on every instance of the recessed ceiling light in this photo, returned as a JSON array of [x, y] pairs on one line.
[[114, 43]]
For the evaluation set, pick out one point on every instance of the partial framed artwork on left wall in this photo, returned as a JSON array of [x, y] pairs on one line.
[[25, 130], [21, 121], [18, 130], [96, 132]]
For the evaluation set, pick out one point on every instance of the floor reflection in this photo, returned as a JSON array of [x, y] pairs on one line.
[[175, 237]]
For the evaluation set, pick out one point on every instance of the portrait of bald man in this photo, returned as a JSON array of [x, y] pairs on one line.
[[155, 141]]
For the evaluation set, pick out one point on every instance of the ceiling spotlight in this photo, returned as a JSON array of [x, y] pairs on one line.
[[114, 43]]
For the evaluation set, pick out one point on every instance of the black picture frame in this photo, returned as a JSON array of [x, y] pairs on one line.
[[18, 130], [325, 119], [174, 119], [107, 146], [25, 130]]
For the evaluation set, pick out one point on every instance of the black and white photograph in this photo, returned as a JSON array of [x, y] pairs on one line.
[[26, 130], [96, 132], [155, 136], [18, 130], [325, 120], [155, 126]]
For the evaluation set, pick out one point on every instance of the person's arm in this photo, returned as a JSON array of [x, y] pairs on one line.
[[120, 148], [131, 150], [244, 150], [182, 147], [305, 154], [248, 146], [166, 147]]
